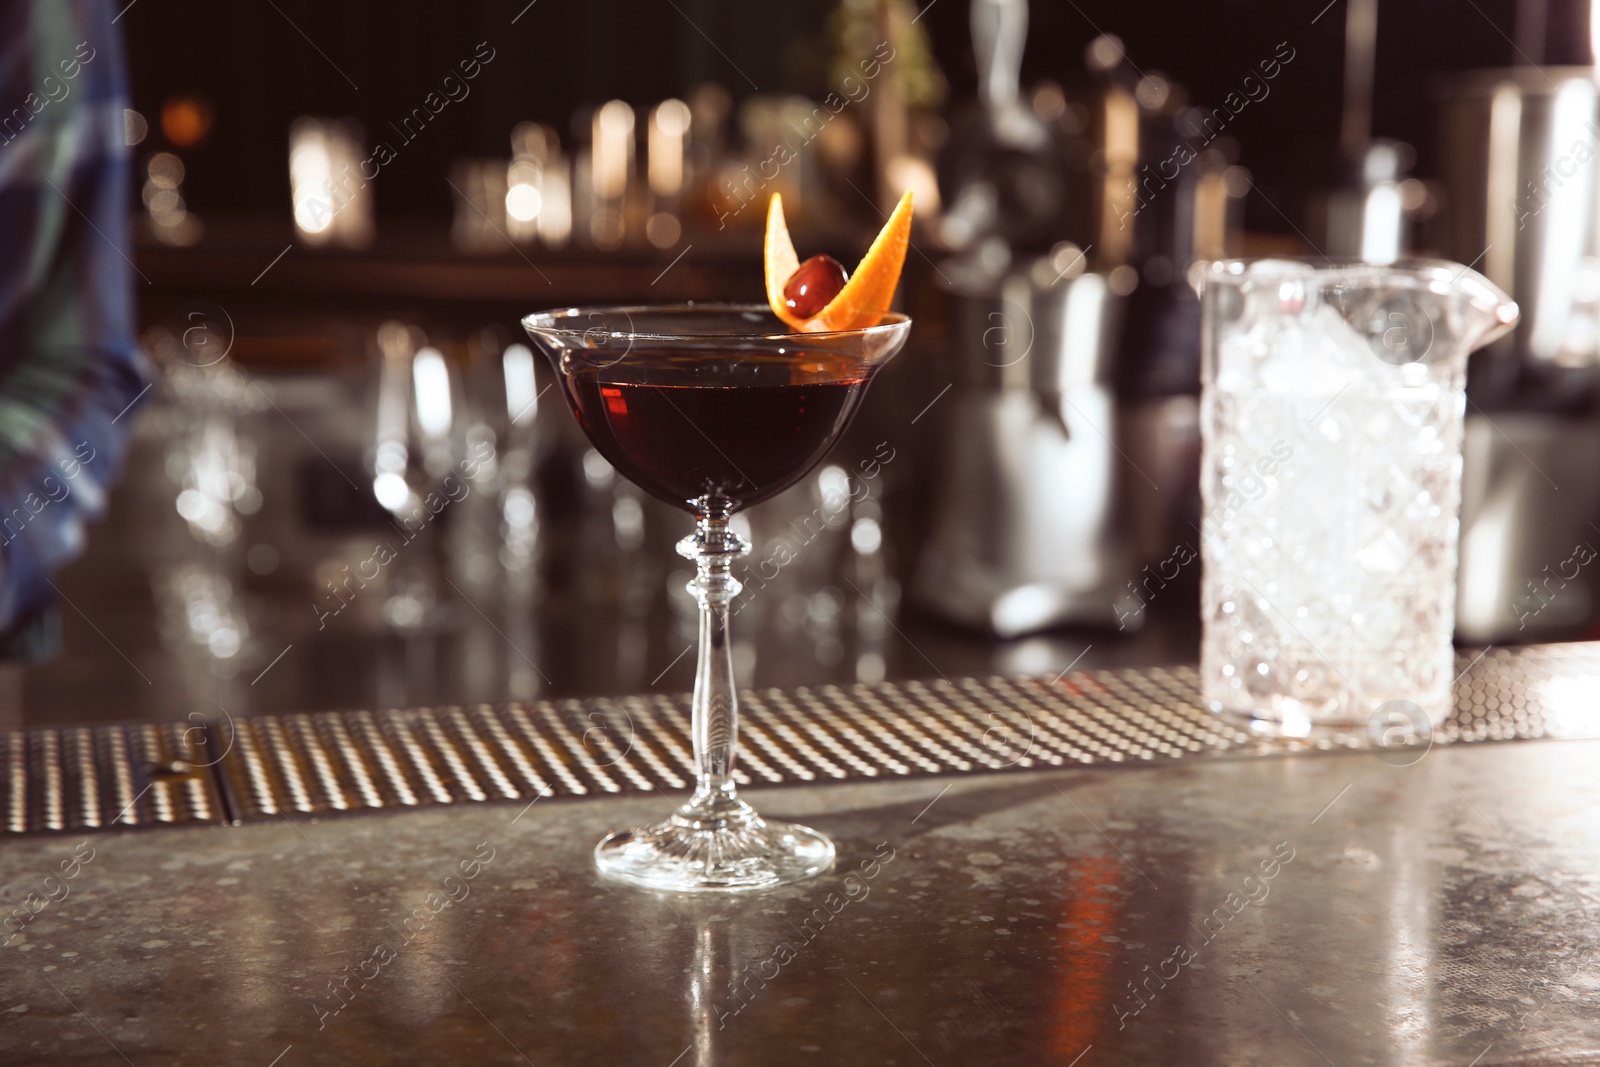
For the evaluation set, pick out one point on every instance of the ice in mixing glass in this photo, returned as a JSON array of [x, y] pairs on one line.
[[1332, 416]]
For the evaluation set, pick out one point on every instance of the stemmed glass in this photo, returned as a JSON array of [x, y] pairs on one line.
[[712, 408]]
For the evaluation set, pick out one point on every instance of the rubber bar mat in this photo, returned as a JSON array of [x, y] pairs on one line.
[[274, 765]]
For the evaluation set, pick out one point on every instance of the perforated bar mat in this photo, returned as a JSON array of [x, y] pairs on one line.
[[89, 778], [272, 765]]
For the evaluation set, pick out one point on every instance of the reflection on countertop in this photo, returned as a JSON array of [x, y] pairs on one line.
[[1261, 911]]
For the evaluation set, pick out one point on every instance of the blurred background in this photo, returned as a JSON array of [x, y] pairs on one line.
[[353, 485]]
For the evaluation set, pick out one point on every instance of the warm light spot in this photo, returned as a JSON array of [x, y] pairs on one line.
[[186, 120], [523, 202], [673, 116], [312, 215], [612, 152], [668, 136], [165, 170], [663, 230]]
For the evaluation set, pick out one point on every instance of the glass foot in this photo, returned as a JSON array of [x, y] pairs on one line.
[[731, 851]]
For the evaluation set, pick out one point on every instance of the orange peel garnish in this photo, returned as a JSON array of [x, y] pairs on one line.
[[780, 261], [868, 293]]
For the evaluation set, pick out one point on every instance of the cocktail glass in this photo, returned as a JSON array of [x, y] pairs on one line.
[[712, 408], [1331, 412]]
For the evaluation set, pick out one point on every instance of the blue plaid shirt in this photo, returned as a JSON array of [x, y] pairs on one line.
[[70, 366]]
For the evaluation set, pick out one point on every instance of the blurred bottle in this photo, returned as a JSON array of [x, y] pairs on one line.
[[611, 172], [669, 165], [538, 202], [1170, 197], [331, 198]]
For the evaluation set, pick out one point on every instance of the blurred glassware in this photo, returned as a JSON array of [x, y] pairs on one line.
[[331, 199], [420, 468], [201, 621], [820, 591], [495, 538], [792, 587], [869, 569], [525, 182], [212, 466], [613, 531]]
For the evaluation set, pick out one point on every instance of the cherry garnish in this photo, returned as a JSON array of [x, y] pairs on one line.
[[814, 283]]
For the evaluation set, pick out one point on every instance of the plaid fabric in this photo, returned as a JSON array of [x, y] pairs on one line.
[[70, 366]]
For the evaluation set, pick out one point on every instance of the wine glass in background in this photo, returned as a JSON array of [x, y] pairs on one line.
[[494, 535], [418, 471], [495, 539], [518, 457]]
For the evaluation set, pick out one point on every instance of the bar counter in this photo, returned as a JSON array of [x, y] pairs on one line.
[[1242, 902]]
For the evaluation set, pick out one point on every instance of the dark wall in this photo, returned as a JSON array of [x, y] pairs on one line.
[[263, 62]]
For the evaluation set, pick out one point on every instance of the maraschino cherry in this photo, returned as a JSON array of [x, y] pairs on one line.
[[814, 283]]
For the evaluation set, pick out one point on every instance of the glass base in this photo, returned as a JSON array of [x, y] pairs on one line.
[[1276, 721], [721, 847], [1289, 718]]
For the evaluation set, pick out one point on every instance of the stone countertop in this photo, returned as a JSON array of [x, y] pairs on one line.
[[1297, 910]]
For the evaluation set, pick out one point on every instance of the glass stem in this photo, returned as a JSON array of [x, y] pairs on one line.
[[714, 547]]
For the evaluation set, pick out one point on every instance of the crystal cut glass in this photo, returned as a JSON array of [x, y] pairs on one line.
[[1332, 413]]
